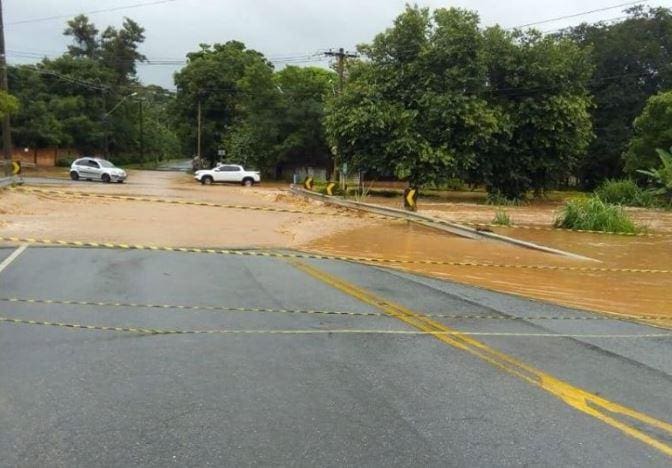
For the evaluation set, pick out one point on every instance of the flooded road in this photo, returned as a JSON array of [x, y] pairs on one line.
[[610, 292]]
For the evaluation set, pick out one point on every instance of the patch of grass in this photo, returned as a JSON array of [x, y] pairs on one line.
[[624, 192], [593, 214], [502, 218], [498, 199]]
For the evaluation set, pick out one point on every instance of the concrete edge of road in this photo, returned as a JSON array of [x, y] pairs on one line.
[[9, 181], [440, 224]]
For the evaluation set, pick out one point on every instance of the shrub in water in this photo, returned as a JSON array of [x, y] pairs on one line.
[[592, 214], [624, 192]]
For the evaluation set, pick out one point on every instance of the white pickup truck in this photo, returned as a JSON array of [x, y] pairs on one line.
[[228, 173]]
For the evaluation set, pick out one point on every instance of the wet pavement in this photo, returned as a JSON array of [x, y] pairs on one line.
[[75, 397]]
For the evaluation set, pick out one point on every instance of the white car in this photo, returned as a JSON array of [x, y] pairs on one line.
[[96, 169], [228, 173]]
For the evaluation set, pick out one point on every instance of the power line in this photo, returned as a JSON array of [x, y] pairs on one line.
[[92, 12], [576, 15], [286, 59]]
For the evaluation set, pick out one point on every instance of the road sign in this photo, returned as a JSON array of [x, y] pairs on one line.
[[330, 188], [221, 152], [16, 167], [411, 199], [308, 183]]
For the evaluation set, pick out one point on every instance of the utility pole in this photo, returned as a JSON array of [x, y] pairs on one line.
[[198, 132], [142, 134], [340, 55], [6, 125]]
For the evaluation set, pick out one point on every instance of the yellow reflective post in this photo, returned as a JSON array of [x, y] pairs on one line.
[[411, 199], [308, 183]]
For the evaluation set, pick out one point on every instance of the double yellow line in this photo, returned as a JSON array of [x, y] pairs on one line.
[[600, 408]]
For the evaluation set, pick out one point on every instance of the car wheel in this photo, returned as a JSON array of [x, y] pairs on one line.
[[120, 181], [106, 178], [74, 175], [247, 182], [207, 180]]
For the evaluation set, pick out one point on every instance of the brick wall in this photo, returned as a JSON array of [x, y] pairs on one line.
[[43, 157]]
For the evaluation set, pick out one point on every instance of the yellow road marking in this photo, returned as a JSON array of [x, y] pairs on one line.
[[575, 397]]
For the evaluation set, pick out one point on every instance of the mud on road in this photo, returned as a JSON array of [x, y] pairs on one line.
[[332, 231]]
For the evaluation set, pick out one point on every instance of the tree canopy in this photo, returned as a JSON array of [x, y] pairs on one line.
[[632, 62], [437, 97], [89, 97]]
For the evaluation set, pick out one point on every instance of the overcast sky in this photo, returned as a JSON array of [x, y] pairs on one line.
[[277, 28]]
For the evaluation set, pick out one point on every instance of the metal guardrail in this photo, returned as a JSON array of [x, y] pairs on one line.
[[443, 225]]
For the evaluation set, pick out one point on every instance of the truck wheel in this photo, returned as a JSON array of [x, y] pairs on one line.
[[248, 182], [74, 175], [207, 180]]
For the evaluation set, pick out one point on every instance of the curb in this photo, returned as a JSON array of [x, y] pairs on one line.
[[440, 224]]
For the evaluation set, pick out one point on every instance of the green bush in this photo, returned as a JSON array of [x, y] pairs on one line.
[[592, 214], [497, 199], [502, 218], [65, 161], [624, 192]]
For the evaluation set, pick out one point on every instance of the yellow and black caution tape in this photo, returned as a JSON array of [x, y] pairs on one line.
[[168, 201], [584, 231], [131, 305], [185, 307], [314, 256], [163, 331]]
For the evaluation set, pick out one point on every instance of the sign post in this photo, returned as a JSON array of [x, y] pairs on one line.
[[411, 199]]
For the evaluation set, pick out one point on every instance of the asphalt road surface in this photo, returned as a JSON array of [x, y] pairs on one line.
[[514, 394]]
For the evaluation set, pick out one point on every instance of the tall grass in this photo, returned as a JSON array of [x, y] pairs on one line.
[[624, 192], [592, 214], [502, 218]]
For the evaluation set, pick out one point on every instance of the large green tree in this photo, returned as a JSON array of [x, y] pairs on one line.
[[415, 105], [538, 86], [437, 97], [225, 80], [632, 62], [652, 131], [82, 98]]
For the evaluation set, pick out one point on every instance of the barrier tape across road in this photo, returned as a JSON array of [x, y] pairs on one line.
[[79, 194], [168, 201], [315, 256], [162, 331], [554, 229], [214, 308]]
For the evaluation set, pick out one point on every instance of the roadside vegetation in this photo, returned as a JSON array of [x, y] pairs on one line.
[[625, 192], [437, 100], [593, 214], [502, 218]]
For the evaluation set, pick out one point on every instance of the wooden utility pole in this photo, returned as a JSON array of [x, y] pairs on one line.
[[142, 133], [340, 55], [198, 136], [6, 125]]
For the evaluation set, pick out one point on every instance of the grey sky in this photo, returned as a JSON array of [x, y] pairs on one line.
[[279, 29]]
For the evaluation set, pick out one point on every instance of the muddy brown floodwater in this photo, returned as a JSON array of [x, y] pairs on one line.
[[620, 293], [135, 222]]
